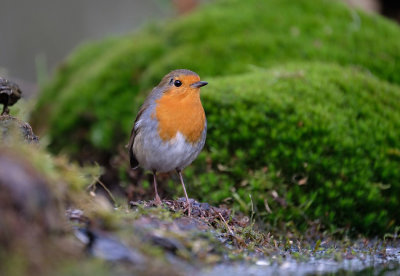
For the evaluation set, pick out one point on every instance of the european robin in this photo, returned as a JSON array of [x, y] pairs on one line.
[[170, 128]]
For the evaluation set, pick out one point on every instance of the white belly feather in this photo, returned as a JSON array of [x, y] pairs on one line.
[[154, 154]]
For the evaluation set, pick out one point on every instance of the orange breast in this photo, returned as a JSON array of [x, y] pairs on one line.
[[180, 112]]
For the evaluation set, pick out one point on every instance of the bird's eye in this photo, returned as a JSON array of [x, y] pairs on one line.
[[177, 83]]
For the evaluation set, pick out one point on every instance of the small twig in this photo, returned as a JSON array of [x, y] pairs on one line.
[[226, 224], [252, 209], [267, 206], [317, 244], [97, 180]]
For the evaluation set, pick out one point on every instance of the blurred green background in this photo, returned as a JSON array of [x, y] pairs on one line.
[[302, 108]]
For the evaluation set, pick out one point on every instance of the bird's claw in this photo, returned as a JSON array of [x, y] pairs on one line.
[[157, 200]]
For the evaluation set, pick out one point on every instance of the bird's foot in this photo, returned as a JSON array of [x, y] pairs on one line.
[[157, 200]]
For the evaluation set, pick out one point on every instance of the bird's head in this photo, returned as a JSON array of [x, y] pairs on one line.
[[181, 82]]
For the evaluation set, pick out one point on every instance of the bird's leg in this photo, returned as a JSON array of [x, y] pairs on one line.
[[184, 189], [157, 199]]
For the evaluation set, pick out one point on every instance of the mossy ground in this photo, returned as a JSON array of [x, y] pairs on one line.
[[214, 239], [141, 239], [302, 108], [35, 189]]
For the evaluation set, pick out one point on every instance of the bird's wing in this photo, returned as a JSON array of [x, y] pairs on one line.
[[132, 158], [135, 129]]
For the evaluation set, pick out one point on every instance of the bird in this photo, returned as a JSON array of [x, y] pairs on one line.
[[170, 128], [10, 93]]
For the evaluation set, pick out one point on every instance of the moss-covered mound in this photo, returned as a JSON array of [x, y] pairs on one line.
[[315, 139], [93, 97], [35, 190], [310, 141]]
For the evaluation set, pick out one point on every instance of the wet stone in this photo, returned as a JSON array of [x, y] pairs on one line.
[[107, 247]]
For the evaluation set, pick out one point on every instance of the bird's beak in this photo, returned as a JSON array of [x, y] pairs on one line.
[[198, 84]]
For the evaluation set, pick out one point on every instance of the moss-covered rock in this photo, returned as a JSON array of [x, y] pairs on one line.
[[35, 190], [314, 139]]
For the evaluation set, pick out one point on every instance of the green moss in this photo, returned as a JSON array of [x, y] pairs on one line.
[[306, 135], [93, 97], [35, 195], [314, 139]]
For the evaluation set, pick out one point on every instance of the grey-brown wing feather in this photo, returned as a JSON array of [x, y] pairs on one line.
[[133, 161]]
